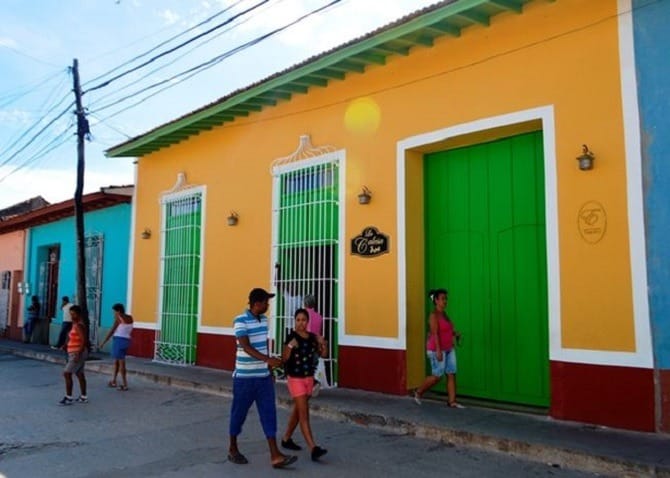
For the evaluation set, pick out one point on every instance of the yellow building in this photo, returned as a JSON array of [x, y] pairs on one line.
[[439, 151]]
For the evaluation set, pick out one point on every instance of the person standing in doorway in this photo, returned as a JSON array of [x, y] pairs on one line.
[[32, 317], [252, 380], [77, 352], [440, 349], [301, 350], [120, 332], [66, 326]]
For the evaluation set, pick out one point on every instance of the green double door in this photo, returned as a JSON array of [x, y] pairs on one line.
[[485, 243]]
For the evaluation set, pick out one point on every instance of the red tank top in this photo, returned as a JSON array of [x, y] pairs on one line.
[[445, 331]]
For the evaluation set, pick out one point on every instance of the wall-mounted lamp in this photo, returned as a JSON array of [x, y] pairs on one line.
[[586, 158], [233, 218], [365, 196], [146, 234]]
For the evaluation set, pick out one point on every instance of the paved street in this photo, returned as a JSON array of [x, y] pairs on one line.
[[155, 430]]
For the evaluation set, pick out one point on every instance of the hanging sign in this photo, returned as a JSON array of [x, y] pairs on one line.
[[370, 243]]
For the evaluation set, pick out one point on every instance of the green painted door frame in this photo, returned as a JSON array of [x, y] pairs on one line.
[[486, 243]]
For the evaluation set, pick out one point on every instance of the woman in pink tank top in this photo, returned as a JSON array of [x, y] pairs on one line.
[[440, 349]]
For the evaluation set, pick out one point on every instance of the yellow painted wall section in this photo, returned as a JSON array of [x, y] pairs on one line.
[[560, 53]]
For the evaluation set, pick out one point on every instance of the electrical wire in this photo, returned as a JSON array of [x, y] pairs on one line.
[[36, 135], [61, 139], [165, 42], [206, 65], [9, 97], [175, 48], [186, 53]]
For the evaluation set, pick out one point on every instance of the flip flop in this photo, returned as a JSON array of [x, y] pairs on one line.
[[122, 388], [288, 460], [111, 384], [238, 458]]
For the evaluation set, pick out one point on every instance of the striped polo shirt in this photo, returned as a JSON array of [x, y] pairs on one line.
[[248, 325]]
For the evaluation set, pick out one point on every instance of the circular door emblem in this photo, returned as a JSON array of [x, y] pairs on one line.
[[592, 221]]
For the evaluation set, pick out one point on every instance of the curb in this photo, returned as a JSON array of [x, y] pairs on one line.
[[547, 454]]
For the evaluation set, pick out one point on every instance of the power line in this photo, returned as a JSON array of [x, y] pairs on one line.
[[10, 97], [156, 70], [165, 42], [36, 135], [167, 52], [33, 126], [208, 64], [48, 148]]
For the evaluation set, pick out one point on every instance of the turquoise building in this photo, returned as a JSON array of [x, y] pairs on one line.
[[51, 259]]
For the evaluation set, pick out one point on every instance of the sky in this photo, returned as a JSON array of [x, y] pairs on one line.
[[40, 39]]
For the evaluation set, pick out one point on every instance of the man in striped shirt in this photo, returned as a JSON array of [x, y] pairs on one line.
[[252, 381]]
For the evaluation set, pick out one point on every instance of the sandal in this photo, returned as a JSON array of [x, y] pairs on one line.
[[122, 388], [455, 405], [237, 458], [286, 461], [111, 384]]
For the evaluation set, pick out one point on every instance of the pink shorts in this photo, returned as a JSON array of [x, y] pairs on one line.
[[299, 386]]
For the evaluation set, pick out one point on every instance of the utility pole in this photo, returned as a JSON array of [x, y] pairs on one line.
[[82, 132]]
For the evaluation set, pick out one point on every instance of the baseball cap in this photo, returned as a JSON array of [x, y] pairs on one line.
[[259, 295]]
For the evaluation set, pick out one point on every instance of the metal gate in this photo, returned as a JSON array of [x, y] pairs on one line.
[[5, 285], [47, 289], [305, 247], [179, 300], [93, 250]]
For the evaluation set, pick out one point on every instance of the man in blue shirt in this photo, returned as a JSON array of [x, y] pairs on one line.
[[252, 381]]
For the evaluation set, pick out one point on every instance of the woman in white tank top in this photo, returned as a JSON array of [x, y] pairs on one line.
[[121, 331]]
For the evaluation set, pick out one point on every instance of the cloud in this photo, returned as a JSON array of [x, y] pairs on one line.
[[14, 117], [56, 185], [8, 42], [169, 17]]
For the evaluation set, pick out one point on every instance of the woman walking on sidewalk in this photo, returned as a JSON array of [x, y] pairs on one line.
[[121, 332], [440, 349], [301, 350], [77, 352]]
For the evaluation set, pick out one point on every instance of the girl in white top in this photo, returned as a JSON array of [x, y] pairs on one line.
[[121, 331]]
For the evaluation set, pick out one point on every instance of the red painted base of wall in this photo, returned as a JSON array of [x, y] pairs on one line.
[[142, 344], [664, 385], [621, 397], [216, 351], [375, 370], [16, 333]]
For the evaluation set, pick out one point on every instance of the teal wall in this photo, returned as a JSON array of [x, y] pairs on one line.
[[114, 225]]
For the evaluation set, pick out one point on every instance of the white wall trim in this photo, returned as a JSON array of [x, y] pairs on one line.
[[145, 325], [205, 329], [131, 244], [546, 115]]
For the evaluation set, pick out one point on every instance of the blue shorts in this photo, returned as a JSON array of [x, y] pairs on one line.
[[120, 347], [447, 365]]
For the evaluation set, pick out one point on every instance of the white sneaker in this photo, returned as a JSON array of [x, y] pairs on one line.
[[66, 401], [417, 398]]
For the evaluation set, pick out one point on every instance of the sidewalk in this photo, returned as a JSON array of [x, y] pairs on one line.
[[565, 444]]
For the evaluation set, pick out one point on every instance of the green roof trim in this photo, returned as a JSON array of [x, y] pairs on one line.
[[421, 28]]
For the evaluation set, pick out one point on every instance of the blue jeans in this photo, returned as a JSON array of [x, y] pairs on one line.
[[246, 391], [28, 325]]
